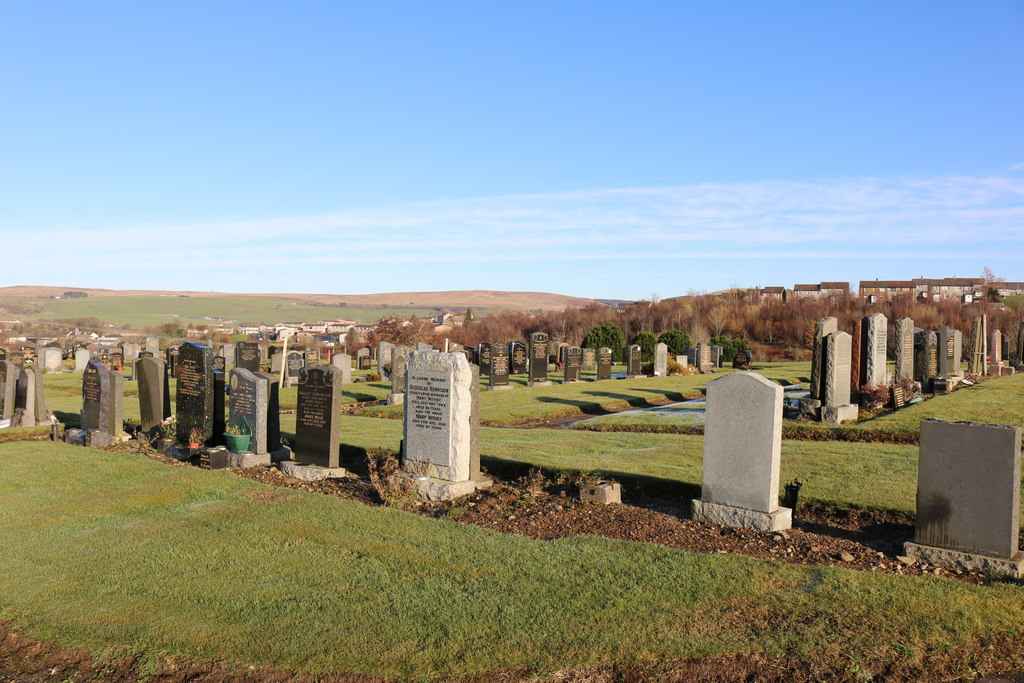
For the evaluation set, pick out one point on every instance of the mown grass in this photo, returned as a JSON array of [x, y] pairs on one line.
[[130, 557], [146, 311]]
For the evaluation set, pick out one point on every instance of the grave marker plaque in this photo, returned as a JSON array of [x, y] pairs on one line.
[[312, 355], [295, 363], [316, 419], [899, 398]]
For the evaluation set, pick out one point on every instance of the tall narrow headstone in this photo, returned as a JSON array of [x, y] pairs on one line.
[[385, 352], [977, 360], [836, 407], [573, 364], [631, 357], [717, 353], [219, 397], [194, 391], [499, 363], [273, 411], [517, 351], [228, 351], [538, 359], [441, 439], [946, 346], [904, 349], [317, 416], [171, 359], [822, 329], [968, 497], [927, 366], [343, 362], [742, 451], [102, 400], [995, 347], [151, 376], [28, 395], [661, 360], [250, 400], [483, 355], [1020, 342], [873, 343], [704, 363], [589, 360], [398, 357], [604, 363], [9, 373], [958, 347]]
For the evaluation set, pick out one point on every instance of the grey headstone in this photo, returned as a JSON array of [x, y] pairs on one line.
[[822, 329], [661, 359], [52, 359], [151, 375], [604, 363], [228, 351], [102, 400], [573, 364], [704, 363], [398, 358], [9, 373], [904, 348], [82, 358], [250, 398], [874, 341], [343, 362], [836, 371], [385, 352]]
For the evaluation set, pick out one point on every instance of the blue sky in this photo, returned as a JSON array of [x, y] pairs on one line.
[[589, 148]]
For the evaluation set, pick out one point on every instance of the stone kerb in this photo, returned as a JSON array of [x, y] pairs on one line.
[[742, 449], [968, 497]]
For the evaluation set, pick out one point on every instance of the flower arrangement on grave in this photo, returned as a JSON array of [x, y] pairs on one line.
[[168, 428], [238, 435], [195, 437]]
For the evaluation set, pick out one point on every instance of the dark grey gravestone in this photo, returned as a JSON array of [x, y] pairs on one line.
[[247, 356], [316, 419], [219, 425], [313, 355], [517, 351], [604, 363], [498, 363], [904, 349], [946, 350], [102, 400], [151, 375], [249, 399], [471, 355], [171, 358], [538, 357], [716, 355], [631, 355], [273, 410], [742, 359], [293, 367], [483, 354], [194, 405], [219, 363], [822, 329], [573, 364], [8, 387]]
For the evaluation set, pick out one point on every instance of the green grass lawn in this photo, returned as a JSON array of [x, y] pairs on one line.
[[131, 557], [146, 311]]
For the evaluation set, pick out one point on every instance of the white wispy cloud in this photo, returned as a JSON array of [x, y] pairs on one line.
[[872, 218]]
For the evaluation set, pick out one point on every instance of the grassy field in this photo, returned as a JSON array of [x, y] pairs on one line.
[[131, 557], [146, 311]]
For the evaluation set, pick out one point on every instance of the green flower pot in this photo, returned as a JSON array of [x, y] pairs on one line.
[[238, 443]]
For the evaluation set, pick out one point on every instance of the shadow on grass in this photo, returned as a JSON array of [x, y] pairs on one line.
[[635, 401], [586, 407], [69, 420], [360, 397], [671, 395]]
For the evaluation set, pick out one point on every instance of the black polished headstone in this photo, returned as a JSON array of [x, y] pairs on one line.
[[195, 391], [247, 356], [316, 418], [517, 352], [538, 357], [604, 363], [573, 363], [498, 364], [483, 354]]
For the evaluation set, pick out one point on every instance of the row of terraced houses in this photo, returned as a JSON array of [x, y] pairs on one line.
[[963, 289]]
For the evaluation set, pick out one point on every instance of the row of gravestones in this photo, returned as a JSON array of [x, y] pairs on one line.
[[22, 400], [968, 487]]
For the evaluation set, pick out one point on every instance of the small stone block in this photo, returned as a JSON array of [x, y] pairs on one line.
[[538, 384], [306, 472], [839, 414], [429, 488], [281, 454], [75, 437], [603, 492], [968, 562], [98, 439], [502, 387], [218, 458], [727, 515], [246, 460], [810, 408], [940, 387], [396, 399]]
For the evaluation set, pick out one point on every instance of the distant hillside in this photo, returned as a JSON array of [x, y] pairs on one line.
[[480, 299]]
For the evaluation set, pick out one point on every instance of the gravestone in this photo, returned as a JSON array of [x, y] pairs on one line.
[[704, 363], [904, 349], [317, 416], [9, 373], [247, 356], [441, 424], [150, 373], [958, 347], [194, 403], [538, 359], [102, 400], [228, 351], [424, 346], [82, 358], [836, 406], [483, 355], [471, 355], [27, 396], [171, 359], [1020, 342], [130, 351], [604, 363], [573, 364], [343, 362], [250, 399], [631, 357], [968, 497], [385, 351], [899, 397], [219, 363], [398, 357], [116, 360], [742, 359], [978, 365], [52, 359], [499, 362], [104, 357], [742, 451], [153, 345], [683, 360], [18, 358], [589, 360], [363, 360], [661, 360], [822, 329], [946, 349], [717, 353], [517, 351], [995, 347], [274, 445], [219, 423], [926, 368], [295, 362], [276, 361], [873, 344]]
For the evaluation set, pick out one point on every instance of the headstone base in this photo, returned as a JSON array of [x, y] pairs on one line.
[[810, 408], [429, 488], [603, 492], [997, 370], [247, 459], [835, 415], [970, 562], [396, 399], [98, 439], [538, 384], [727, 515], [500, 387], [306, 472], [940, 387], [634, 377]]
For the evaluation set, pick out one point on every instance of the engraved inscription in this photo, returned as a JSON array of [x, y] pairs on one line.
[[430, 401]]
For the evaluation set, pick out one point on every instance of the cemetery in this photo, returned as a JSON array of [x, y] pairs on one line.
[[839, 498]]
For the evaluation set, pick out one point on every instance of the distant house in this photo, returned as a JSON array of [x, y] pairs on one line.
[[774, 293], [963, 289], [885, 290], [1008, 288]]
